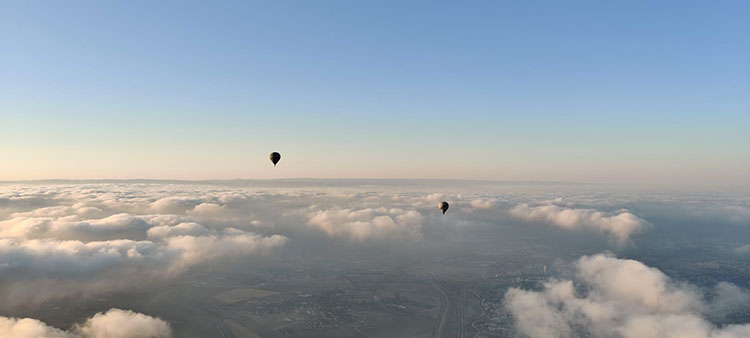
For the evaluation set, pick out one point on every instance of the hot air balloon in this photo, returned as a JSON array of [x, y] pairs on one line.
[[443, 206], [275, 157]]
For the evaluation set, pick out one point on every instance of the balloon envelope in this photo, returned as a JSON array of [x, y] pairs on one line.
[[275, 157], [443, 206]]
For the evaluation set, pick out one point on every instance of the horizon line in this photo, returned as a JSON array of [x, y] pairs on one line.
[[287, 179], [360, 181]]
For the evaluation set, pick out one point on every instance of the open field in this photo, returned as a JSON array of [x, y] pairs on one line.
[[242, 294]]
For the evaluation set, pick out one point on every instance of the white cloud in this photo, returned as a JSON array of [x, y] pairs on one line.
[[84, 240], [619, 225], [738, 214], [175, 205], [78, 238], [612, 297], [29, 328], [483, 203], [188, 228], [231, 242], [52, 255], [115, 323], [729, 298], [534, 316], [367, 223], [208, 209], [434, 198]]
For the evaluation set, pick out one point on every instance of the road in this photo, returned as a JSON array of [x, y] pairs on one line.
[[224, 331], [362, 333], [445, 304], [445, 301], [461, 312]]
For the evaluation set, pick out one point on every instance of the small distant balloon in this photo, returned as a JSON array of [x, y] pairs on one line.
[[275, 157], [443, 206]]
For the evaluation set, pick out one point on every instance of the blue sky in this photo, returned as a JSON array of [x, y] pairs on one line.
[[632, 91]]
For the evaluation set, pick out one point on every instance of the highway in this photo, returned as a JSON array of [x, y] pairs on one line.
[[461, 312], [445, 302]]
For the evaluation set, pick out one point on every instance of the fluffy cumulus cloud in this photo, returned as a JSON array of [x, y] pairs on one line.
[[78, 237], [483, 203], [82, 240], [198, 249], [472, 205], [115, 323], [729, 298], [367, 223], [76, 240], [619, 298], [618, 225]]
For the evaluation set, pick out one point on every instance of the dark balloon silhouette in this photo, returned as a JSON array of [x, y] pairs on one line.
[[275, 157], [443, 206]]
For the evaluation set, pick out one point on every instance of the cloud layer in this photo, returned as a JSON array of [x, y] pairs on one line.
[[611, 297], [114, 323], [367, 223], [78, 238], [87, 234], [83, 240], [618, 225]]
